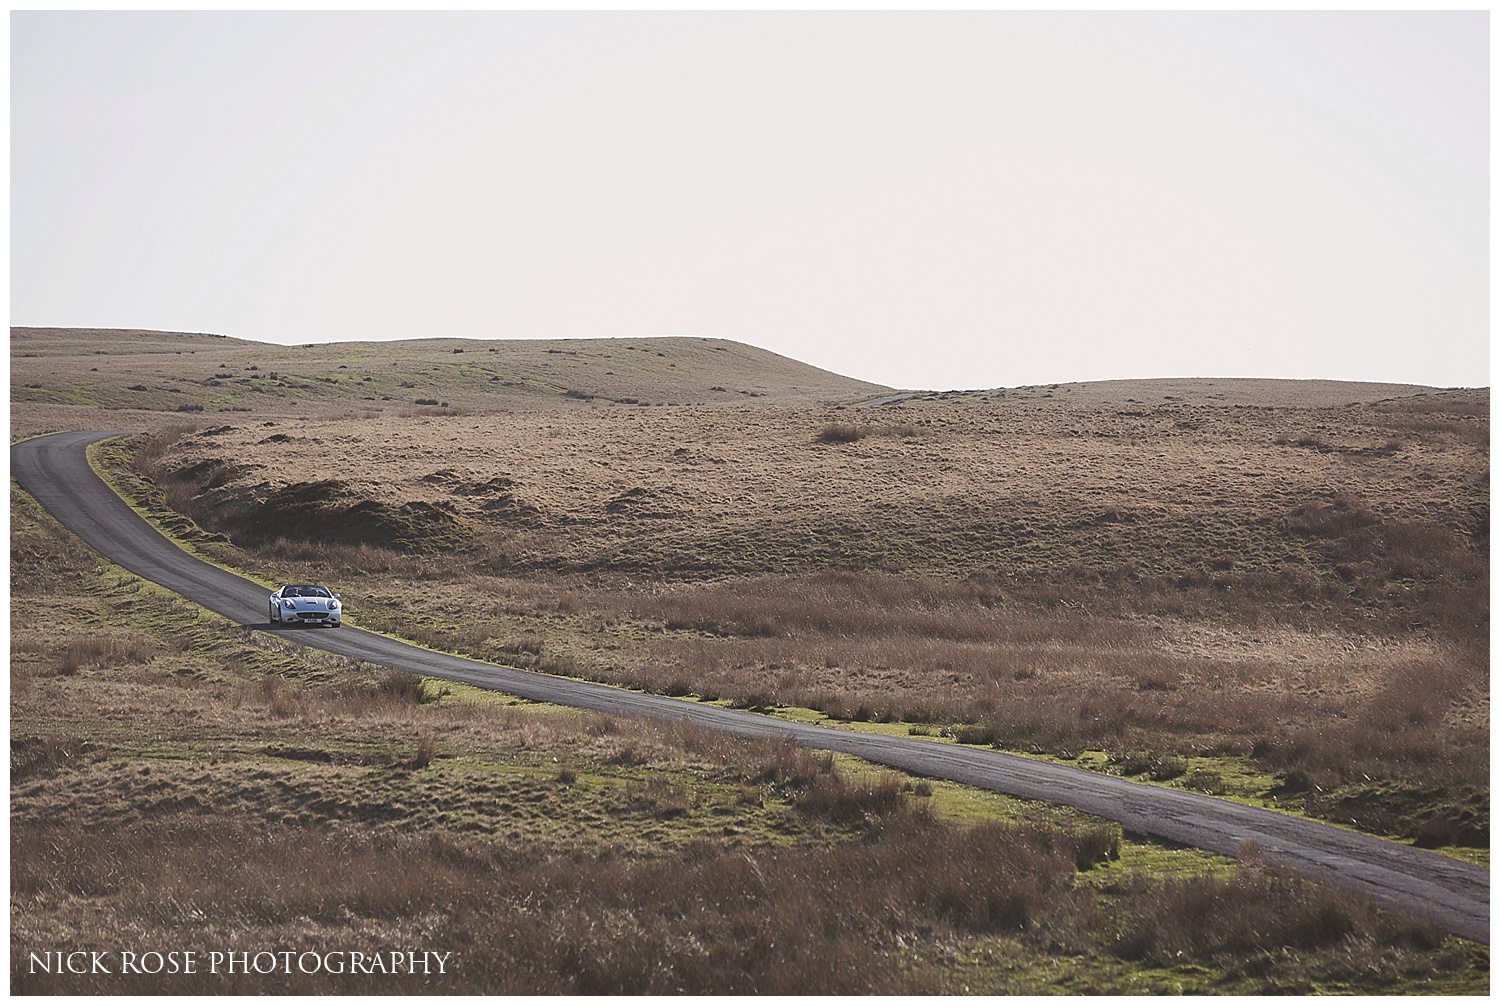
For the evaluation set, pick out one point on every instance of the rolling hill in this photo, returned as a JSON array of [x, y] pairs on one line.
[[184, 372]]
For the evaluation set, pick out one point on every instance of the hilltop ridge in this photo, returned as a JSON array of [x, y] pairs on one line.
[[61, 375], [189, 372]]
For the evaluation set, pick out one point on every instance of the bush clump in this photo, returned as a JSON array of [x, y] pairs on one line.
[[841, 433], [402, 687]]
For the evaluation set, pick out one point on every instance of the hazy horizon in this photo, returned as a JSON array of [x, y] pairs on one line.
[[935, 201], [607, 338]]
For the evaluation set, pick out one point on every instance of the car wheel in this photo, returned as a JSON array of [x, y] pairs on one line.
[[275, 615]]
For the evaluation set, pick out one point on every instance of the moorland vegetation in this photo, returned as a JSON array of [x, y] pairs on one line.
[[1298, 592], [1279, 600]]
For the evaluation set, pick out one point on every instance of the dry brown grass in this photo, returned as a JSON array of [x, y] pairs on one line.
[[1053, 577], [520, 920], [1176, 491], [847, 433], [711, 920], [1210, 917], [165, 373], [61, 375], [1293, 570], [1326, 704], [199, 785]]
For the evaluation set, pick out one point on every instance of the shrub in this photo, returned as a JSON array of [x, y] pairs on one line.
[[426, 751], [1205, 916], [32, 756], [527, 644], [1168, 767], [402, 687], [1095, 843], [840, 433], [977, 733], [789, 764], [834, 798], [1158, 680], [1205, 781], [70, 663], [661, 799], [754, 701]]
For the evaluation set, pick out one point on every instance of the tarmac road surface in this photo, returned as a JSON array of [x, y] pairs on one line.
[[1451, 894]]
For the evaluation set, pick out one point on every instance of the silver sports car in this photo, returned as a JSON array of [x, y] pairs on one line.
[[306, 604]]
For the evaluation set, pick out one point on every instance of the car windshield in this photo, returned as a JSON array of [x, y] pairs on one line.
[[305, 590]]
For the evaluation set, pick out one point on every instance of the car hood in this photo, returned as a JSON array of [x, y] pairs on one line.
[[310, 603]]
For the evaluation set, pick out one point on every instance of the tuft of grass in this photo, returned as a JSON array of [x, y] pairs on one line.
[[1207, 917], [426, 751], [840, 433], [402, 687], [1159, 767], [40, 756], [848, 433], [982, 734], [754, 701], [105, 650], [835, 798]]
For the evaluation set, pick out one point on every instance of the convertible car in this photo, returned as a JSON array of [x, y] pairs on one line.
[[306, 604]]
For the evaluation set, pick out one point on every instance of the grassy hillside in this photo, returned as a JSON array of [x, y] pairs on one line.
[[1166, 391], [1272, 591], [142, 379], [926, 488], [1303, 588], [180, 782], [170, 372]]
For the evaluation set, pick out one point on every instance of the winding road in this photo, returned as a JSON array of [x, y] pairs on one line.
[[1451, 894]]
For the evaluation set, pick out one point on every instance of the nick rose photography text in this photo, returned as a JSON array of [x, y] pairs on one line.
[[238, 962]]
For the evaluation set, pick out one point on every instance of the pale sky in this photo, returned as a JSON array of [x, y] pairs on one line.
[[922, 200]]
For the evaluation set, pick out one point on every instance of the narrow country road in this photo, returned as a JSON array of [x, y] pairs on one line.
[[1451, 894]]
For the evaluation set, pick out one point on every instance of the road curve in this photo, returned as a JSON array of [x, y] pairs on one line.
[[1451, 894]]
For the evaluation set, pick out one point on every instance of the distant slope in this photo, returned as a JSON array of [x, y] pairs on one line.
[[1267, 392], [172, 372], [88, 341], [56, 373]]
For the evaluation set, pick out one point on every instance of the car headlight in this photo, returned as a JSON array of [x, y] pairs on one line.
[[332, 605]]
